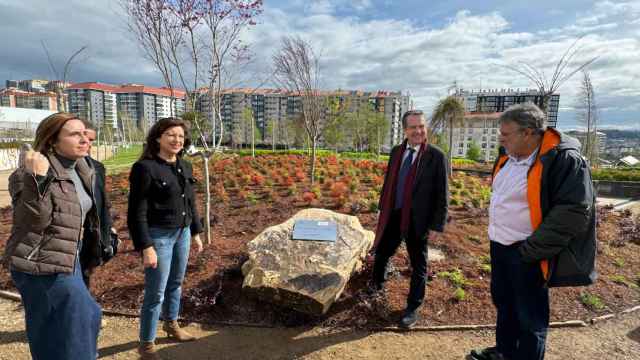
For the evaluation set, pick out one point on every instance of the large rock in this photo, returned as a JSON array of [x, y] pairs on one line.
[[307, 276]]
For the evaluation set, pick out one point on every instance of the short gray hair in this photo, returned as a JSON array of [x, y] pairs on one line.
[[526, 115]]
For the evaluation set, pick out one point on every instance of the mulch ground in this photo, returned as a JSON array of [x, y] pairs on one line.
[[212, 290]]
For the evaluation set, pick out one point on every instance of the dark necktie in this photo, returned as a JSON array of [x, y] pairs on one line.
[[402, 177]]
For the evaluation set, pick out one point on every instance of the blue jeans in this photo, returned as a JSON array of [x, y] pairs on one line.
[[163, 285], [62, 318], [522, 303]]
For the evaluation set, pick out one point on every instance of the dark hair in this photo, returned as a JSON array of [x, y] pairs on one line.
[[152, 148], [49, 129], [410, 113]]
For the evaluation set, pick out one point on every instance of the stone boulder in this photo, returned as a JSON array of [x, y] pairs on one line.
[[307, 276]]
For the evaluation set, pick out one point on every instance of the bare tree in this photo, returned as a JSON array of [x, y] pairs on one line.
[[588, 116], [225, 21], [297, 69], [562, 72], [168, 31]]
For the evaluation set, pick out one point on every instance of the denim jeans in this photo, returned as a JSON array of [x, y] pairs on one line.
[[163, 285], [522, 303], [62, 319]]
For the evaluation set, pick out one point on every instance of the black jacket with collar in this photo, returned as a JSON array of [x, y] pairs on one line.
[[162, 195], [566, 236], [430, 196]]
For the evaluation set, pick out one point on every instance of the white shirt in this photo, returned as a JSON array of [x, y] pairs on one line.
[[509, 215]]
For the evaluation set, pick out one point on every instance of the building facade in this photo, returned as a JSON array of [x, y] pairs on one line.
[[13, 97], [482, 110], [95, 102], [144, 105], [498, 100], [273, 110]]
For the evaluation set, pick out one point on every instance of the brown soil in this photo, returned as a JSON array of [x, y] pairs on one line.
[[212, 289], [617, 338]]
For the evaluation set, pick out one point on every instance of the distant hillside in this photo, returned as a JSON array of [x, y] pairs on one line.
[[621, 134]]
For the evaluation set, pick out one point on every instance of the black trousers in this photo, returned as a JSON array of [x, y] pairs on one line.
[[417, 249], [522, 303]]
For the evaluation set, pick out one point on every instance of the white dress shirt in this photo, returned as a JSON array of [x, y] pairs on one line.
[[509, 215]]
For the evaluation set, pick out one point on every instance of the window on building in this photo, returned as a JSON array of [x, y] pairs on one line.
[[484, 145]]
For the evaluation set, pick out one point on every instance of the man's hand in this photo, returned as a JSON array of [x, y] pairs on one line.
[[36, 163], [195, 240], [149, 258]]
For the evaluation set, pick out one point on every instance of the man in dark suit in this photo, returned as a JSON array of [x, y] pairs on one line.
[[106, 233], [413, 208]]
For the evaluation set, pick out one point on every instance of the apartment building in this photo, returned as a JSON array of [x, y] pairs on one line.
[[274, 108], [482, 110], [497, 100], [95, 102], [144, 105], [480, 129], [13, 97]]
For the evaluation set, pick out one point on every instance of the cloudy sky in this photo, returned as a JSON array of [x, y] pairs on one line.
[[415, 46]]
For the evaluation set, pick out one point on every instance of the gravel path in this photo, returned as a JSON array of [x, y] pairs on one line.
[[614, 339]]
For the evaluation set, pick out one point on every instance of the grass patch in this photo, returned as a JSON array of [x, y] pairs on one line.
[[455, 277], [618, 262], [459, 294], [622, 280], [123, 160], [591, 301]]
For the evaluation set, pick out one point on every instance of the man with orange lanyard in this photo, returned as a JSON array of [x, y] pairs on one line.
[[541, 227]]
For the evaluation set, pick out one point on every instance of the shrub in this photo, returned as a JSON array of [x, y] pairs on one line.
[[459, 294], [591, 301], [338, 189], [455, 277], [618, 262], [373, 206], [622, 280], [308, 197]]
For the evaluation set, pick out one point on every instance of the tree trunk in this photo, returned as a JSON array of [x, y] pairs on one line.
[[207, 202], [450, 150], [313, 158]]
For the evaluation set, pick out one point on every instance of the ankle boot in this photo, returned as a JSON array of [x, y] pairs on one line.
[[147, 351], [174, 331]]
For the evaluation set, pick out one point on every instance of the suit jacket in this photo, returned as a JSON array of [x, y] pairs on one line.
[[430, 193], [103, 207]]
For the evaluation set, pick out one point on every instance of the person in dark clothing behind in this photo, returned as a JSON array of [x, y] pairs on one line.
[[163, 221], [413, 208], [53, 204], [108, 236], [542, 229]]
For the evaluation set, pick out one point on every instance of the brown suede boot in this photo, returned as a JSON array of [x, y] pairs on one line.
[[147, 351], [175, 332]]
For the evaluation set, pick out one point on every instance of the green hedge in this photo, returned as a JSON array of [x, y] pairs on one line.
[[10, 145], [624, 174], [319, 152]]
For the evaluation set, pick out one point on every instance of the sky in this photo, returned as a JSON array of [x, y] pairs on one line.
[[417, 47]]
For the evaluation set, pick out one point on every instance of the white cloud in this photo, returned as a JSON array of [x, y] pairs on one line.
[[471, 49]]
